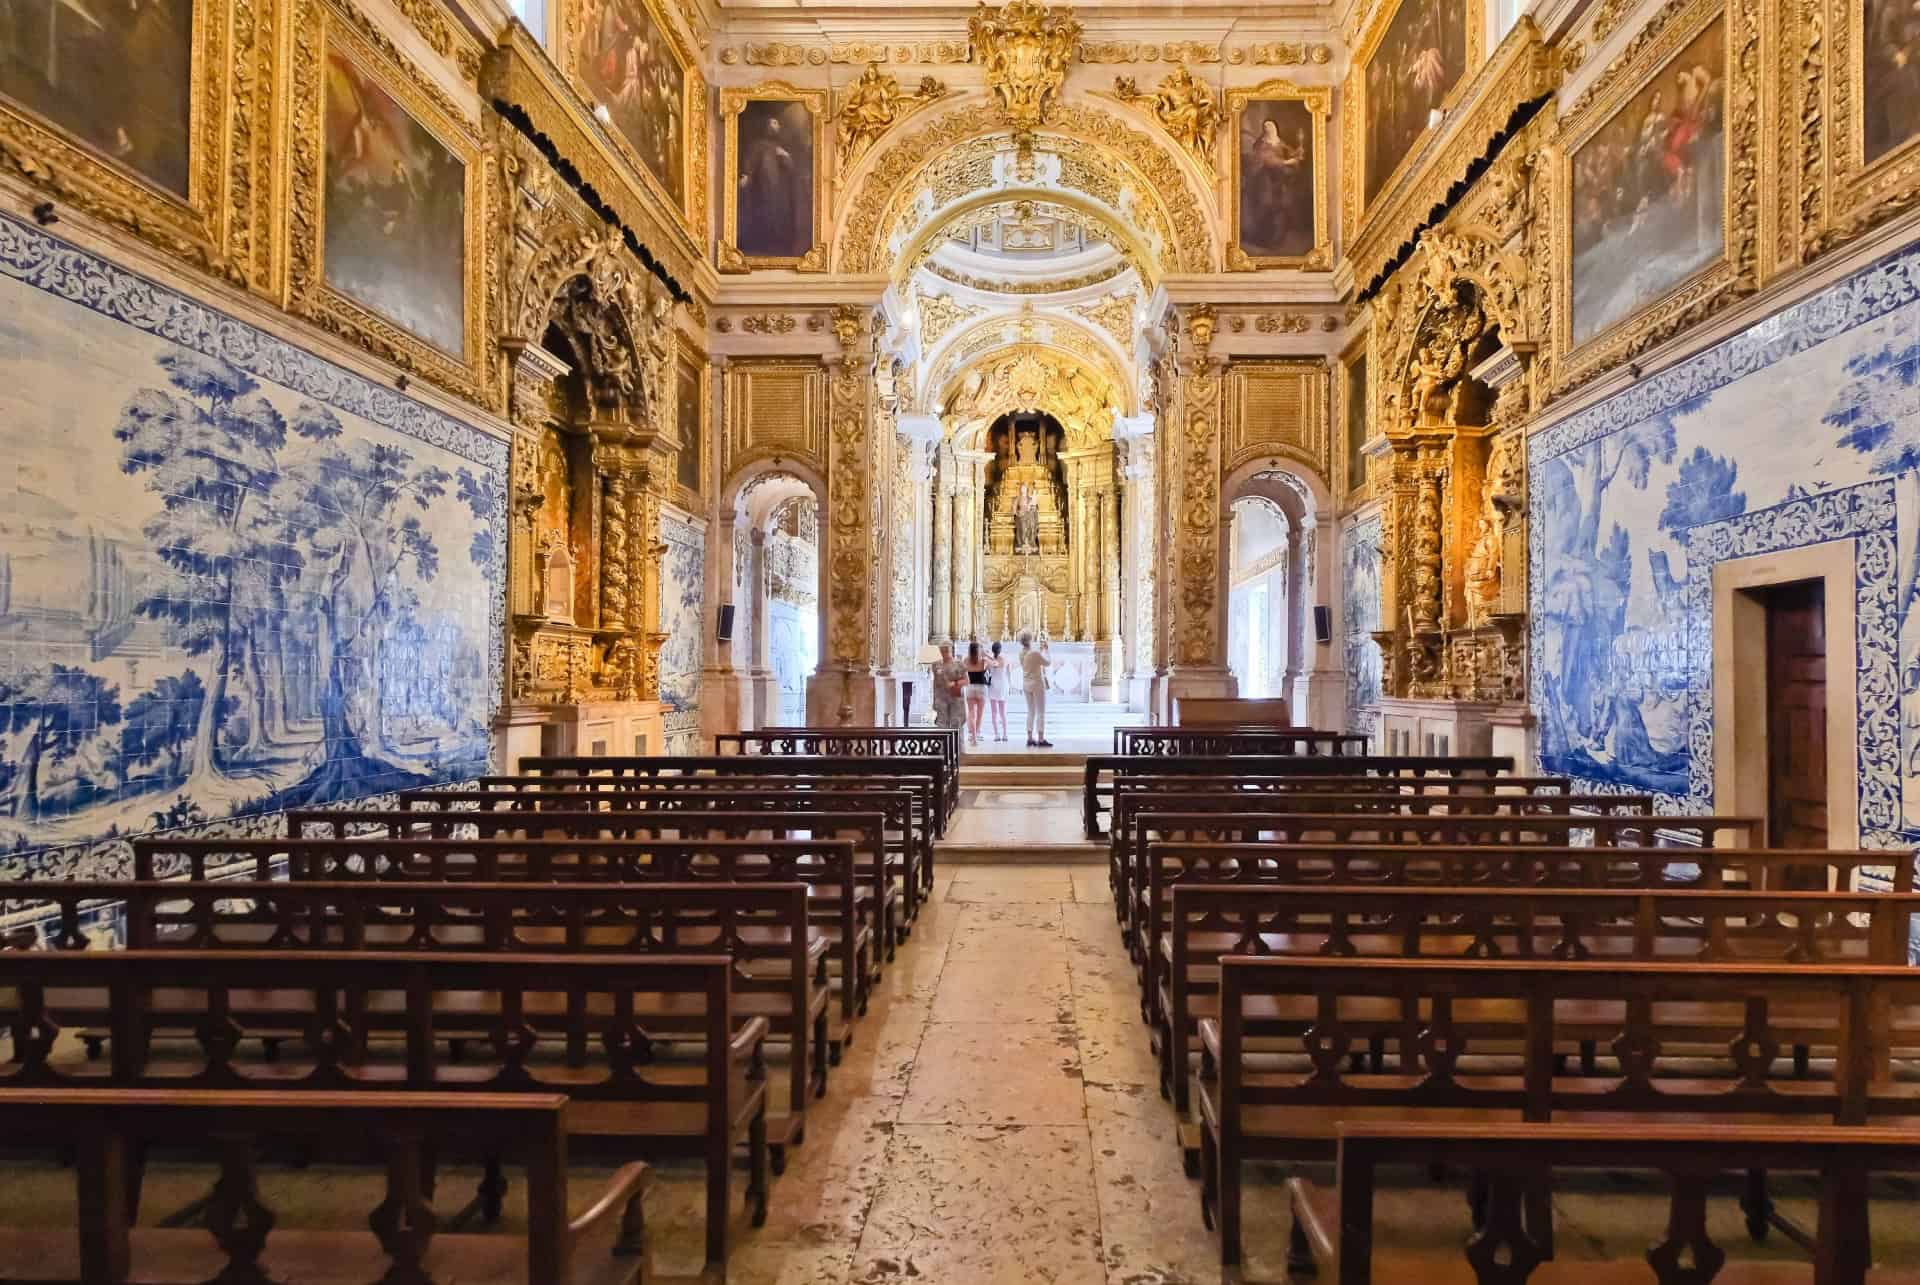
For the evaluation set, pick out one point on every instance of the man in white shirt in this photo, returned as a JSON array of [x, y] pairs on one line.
[[1033, 673]]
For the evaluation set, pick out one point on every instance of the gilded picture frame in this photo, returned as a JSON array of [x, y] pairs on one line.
[[1846, 190], [1353, 367], [1355, 203], [691, 368], [212, 224], [326, 28], [735, 102], [1655, 50], [566, 30], [1318, 102]]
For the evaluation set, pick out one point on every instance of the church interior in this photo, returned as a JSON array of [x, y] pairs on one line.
[[974, 642]]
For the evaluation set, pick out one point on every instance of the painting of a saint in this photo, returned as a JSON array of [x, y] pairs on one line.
[[1891, 56], [692, 441], [630, 69], [1276, 179], [1649, 190], [1356, 421], [395, 210], [116, 74], [774, 179], [1416, 65]]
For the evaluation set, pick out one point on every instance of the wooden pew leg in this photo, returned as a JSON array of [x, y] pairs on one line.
[[757, 1156], [403, 1222], [1299, 1252], [1503, 1248], [819, 1056], [1756, 1204], [719, 1201], [1845, 1249], [1209, 1177], [105, 1214], [1687, 1254], [239, 1222]]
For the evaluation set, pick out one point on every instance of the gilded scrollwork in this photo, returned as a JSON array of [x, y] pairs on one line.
[[1025, 48], [871, 106], [849, 533], [1184, 105]]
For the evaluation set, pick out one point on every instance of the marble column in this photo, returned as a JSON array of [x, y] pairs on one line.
[[766, 683], [1141, 571], [942, 629], [1323, 701]]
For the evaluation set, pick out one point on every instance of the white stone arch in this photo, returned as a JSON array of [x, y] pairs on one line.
[[949, 359], [1315, 683], [747, 503]]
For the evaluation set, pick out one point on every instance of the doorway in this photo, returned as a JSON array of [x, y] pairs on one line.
[[1796, 713]]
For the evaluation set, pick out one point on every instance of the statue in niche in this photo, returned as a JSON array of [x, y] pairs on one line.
[[1482, 572], [1026, 515], [1024, 449], [556, 579]]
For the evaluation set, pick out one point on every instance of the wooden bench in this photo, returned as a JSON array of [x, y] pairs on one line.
[[1478, 1043], [108, 1129], [1209, 922], [1213, 711], [1335, 1226], [1127, 831], [928, 770], [1226, 741], [1113, 767], [909, 830], [595, 1046], [780, 975], [853, 742], [865, 830], [846, 915]]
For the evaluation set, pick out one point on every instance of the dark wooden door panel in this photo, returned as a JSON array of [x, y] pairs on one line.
[[1797, 715]]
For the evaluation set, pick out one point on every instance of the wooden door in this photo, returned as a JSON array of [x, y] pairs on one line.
[[1797, 715]]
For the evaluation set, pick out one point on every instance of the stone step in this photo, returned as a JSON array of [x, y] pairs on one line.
[[1021, 778], [1005, 854]]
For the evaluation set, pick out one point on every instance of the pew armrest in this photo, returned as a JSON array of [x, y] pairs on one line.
[[1210, 1038], [627, 1185], [1316, 1220], [747, 1042]]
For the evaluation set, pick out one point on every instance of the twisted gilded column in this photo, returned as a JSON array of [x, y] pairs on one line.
[[614, 573]]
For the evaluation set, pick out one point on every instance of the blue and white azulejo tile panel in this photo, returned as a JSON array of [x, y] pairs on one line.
[[1360, 588], [683, 618], [1801, 430], [234, 577]]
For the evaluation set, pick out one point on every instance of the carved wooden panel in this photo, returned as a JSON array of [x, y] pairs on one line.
[[776, 409], [1277, 409]]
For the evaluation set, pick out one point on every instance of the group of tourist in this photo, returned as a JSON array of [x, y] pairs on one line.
[[967, 691]]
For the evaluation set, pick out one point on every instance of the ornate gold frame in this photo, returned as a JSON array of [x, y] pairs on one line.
[[317, 25], [732, 103], [695, 501], [564, 46], [1319, 102], [1711, 289], [1843, 195], [1354, 489], [212, 225], [1353, 99]]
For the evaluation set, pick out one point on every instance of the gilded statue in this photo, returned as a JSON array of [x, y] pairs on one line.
[[872, 105], [1482, 572], [1025, 47], [1183, 105]]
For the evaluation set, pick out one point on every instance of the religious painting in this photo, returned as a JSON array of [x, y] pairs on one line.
[[1356, 405], [691, 421], [637, 78], [1890, 81], [1409, 75], [1279, 177], [117, 76], [775, 145], [395, 217], [1649, 189]]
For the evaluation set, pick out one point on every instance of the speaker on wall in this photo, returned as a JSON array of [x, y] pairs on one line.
[[725, 632], [1323, 624]]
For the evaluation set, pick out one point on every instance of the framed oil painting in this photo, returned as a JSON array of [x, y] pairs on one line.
[[1279, 177], [630, 63], [776, 148], [388, 253], [1417, 54], [1354, 403], [691, 414], [1649, 237], [1870, 91], [127, 104]]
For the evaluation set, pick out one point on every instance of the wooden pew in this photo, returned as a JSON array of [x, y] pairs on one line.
[[1209, 922], [1207, 844], [1335, 1226], [1116, 766], [1216, 711], [866, 830], [1441, 1019], [909, 830], [781, 975], [858, 742], [108, 1128], [1127, 831], [928, 770], [1176, 741], [826, 865], [624, 1099]]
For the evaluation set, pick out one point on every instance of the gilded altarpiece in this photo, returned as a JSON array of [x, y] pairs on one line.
[[593, 391]]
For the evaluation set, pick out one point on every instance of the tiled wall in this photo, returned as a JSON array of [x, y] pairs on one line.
[[1803, 429], [234, 577], [1360, 574], [684, 617]]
